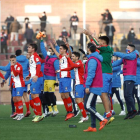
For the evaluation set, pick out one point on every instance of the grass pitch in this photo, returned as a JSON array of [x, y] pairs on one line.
[[55, 128]]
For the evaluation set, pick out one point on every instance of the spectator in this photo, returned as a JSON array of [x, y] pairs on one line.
[[45, 38], [109, 29], [136, 41], [60, 41], [124, 42], [116, 49], [14, 28], [43, 19], [25, 24], [29, 34], [4, 38], [74, 22], [131, 36], [106, 19], [65, 34], [81, 40], [8, 21]]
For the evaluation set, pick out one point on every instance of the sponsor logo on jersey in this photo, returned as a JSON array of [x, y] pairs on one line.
[[50, 89], [66, 88], [33, 89], [18, 92], [18, 68]]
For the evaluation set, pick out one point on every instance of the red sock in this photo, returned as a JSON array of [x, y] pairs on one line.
[[37, 105], [83, 111], [111, 103], [15, 104], [65, 104], [27, 106], [69, 104], [20, 107], [32, 104]]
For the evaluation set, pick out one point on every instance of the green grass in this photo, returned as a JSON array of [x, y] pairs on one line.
[[55, 128]]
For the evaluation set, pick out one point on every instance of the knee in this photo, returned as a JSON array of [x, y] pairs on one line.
[[62, 96], [14, 99]]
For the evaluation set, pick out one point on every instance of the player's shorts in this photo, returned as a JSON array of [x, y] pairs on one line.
[[64, 85], [107, 83], [49, 85], [17, 91], [30, 98], [25, 88], [79, 91], [35, 87]]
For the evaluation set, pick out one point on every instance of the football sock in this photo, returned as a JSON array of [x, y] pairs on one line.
[[16, 105], [37, 105], [83, 111], [27, 106], [65, 104], [55, 108], [111, 103], [20, 107], [32, 104], [69, 103], [50, 108]]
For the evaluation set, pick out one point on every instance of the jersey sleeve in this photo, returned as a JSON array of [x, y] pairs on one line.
[[16, 71], [1, 75], [74, 65]]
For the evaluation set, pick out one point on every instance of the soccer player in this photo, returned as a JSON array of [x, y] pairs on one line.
[[36, 80], [79, 81], [18, 86], [116, 85], [93, 81], [129, 61], [21, 59], [51, 65], [106, 51], [65, 79]]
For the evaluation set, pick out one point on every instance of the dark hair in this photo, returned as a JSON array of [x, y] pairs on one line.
[[89, 44], [33, 46], [51, 49], [18, 52], [131, 45], [37, 29], [64, 47], [12, 56], [44, 12], [105, 38], [77, 54], [91, 47]]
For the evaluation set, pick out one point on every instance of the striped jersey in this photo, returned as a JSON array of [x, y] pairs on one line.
[[35, 66], [63, 63], [17, 76]]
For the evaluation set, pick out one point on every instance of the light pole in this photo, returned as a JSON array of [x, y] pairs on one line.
[[84, 24]]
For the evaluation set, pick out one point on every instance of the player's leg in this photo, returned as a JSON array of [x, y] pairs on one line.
[[51, 90], [27, 103], [47, 97], [107, 79], [90, 102], [135, 92], [12, 105], [117, 92], [129, 85], [72, 96], [79, 95], [35, 91], [19, 94]]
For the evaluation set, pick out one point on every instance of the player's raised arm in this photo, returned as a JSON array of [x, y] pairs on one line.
[[57, 54]]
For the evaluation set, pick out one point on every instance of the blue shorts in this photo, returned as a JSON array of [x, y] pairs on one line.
[[64, 85], [35, 87], [79, 91], [30, 98], [17, 91], [25, 88], [107, 83]]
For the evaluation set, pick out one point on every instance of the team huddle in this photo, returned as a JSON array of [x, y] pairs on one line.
[[80, 83]]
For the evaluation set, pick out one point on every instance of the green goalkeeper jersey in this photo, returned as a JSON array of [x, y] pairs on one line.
[[106, 52]]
